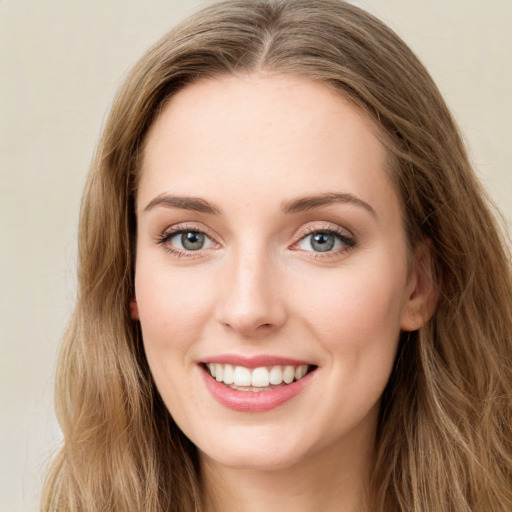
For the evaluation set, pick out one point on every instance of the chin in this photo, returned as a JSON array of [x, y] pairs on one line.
[[262, 451], [249, 461]]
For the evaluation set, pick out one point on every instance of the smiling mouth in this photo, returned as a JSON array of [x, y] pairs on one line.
[[263, 378]]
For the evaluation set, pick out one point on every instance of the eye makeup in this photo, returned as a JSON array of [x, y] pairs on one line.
[[326, 240], [319, 241], [192, 239]]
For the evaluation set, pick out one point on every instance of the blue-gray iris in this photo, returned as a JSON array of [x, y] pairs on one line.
[[192, 240], [322, 242]]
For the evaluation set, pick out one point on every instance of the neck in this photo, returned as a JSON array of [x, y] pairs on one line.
[[335, 480]]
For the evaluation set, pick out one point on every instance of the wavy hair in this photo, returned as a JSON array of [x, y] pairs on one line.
[[444, 440]]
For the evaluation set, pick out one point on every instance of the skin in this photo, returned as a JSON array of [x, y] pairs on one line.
[[247, 145]]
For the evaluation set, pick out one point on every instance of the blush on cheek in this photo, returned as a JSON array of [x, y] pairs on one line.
[[363, 306]]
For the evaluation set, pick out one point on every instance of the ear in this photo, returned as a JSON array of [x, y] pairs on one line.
[[423, 293], [134, 310]]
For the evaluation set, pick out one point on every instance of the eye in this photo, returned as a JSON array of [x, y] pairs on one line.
[[185, 240], [190, 240], [325, 241]]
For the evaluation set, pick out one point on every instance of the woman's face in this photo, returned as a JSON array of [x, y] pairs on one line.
[[270, 242]]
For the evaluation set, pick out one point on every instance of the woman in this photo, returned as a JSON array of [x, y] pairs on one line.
[[292, 292]]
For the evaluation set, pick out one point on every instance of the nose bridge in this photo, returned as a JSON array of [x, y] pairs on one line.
[[252, 302]]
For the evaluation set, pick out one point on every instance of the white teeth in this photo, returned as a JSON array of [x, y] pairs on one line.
[[260, 378], [288, 374], [219, 372], [300, 371], [229, 374], [240, 377], [276, 375]]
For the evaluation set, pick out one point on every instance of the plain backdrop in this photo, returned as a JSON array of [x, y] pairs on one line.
[[60, 65]]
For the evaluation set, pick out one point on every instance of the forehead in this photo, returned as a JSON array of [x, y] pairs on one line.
[[252, 130]]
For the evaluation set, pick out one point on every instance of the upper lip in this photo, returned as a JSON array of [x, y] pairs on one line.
[[255, 361]]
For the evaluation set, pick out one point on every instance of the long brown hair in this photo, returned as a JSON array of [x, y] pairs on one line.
[[444, 442]]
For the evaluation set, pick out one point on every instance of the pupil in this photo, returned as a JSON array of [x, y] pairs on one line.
[[322, 242], [192, 240]]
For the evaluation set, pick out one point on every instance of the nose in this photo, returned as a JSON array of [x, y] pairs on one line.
[[252, 299]]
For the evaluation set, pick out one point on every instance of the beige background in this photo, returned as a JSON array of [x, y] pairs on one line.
[[60, 63]]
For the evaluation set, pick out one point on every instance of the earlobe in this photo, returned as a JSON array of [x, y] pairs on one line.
[[134, 310], [424, 295]]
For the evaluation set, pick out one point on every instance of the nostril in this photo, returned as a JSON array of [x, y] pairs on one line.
[[238, 326]]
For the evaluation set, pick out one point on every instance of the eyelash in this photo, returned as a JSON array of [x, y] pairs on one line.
[[347, 240], [343, 236], [168, 235]]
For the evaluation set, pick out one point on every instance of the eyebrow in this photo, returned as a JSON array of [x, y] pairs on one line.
[[185, 203], [302, 204]]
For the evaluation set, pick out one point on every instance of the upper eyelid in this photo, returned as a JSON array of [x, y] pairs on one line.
[[344, 234], [181, 227], [325, 226]]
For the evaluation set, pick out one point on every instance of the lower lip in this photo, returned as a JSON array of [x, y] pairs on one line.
[[254, 401]]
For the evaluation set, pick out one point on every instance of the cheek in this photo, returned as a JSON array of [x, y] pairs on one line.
[[172, 308], [359, 327], [356, 315], [173, 312], [361, 299]]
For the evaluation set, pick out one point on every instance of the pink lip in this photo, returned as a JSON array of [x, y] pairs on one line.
[[255, 361], [254, 401]]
